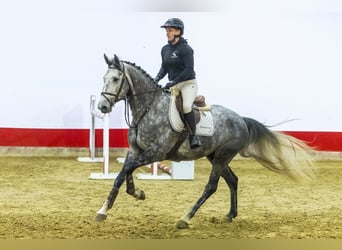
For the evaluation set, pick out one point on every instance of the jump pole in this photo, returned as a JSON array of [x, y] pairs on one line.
[[105, 159], [183, 170], [153, 175], [105, 175], [93, 114]]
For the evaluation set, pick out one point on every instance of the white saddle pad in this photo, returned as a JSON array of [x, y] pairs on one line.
[[204, 128]]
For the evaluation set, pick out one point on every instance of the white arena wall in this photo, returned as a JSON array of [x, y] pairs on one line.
[[273, 62]]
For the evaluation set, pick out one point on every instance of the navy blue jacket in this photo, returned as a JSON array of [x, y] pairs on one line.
[[177, 62]]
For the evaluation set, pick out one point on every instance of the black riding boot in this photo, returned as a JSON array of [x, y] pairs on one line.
[[193, 139]]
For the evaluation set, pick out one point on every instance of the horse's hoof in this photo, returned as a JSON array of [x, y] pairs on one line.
[[181, 224], [140, 195], [100, 217], [229, 219]]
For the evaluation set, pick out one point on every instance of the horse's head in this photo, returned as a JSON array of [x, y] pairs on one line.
[[114, 88]]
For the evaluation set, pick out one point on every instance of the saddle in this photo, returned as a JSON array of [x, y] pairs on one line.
[[198, 104]]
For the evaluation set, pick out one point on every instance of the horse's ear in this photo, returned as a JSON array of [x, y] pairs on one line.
[[108, 61], [117, 62]]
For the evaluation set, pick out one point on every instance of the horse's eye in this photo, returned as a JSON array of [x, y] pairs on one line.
[[115, 78]]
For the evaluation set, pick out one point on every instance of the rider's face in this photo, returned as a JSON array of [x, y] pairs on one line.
[[171, 33]]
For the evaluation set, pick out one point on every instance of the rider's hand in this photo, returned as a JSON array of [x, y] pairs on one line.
[[169, 85]]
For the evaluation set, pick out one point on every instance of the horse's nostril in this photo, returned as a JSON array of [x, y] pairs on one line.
[[105, 109]]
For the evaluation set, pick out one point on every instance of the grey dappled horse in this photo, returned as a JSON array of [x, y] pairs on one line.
[[151, 139]]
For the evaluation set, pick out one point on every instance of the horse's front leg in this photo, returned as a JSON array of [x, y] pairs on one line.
[[101, 214], [131, 190], [125, 174]]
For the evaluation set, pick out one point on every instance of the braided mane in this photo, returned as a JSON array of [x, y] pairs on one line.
[[141, 70]]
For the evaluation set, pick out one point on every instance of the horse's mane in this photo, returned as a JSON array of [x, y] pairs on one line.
[[141, 70]]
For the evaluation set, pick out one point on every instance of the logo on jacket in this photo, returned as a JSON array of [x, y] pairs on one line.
[[174, 55]]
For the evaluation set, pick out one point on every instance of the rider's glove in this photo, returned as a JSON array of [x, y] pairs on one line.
[[169, 85]]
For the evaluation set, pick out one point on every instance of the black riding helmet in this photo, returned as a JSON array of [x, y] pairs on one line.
[[174, 23]]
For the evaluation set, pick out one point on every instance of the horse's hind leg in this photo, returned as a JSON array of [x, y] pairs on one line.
[[232, 182], [210, 188]]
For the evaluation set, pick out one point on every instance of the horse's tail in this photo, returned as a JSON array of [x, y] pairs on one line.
[[278, 152]]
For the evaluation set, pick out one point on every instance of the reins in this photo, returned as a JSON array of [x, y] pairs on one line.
[[146, 109]]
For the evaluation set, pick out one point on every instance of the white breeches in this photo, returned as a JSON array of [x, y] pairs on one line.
[[189, 93]]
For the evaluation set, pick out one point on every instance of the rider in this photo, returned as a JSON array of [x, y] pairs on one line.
[[178, 63]]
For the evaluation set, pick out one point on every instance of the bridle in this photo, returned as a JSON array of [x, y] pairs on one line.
[[117, 98]]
